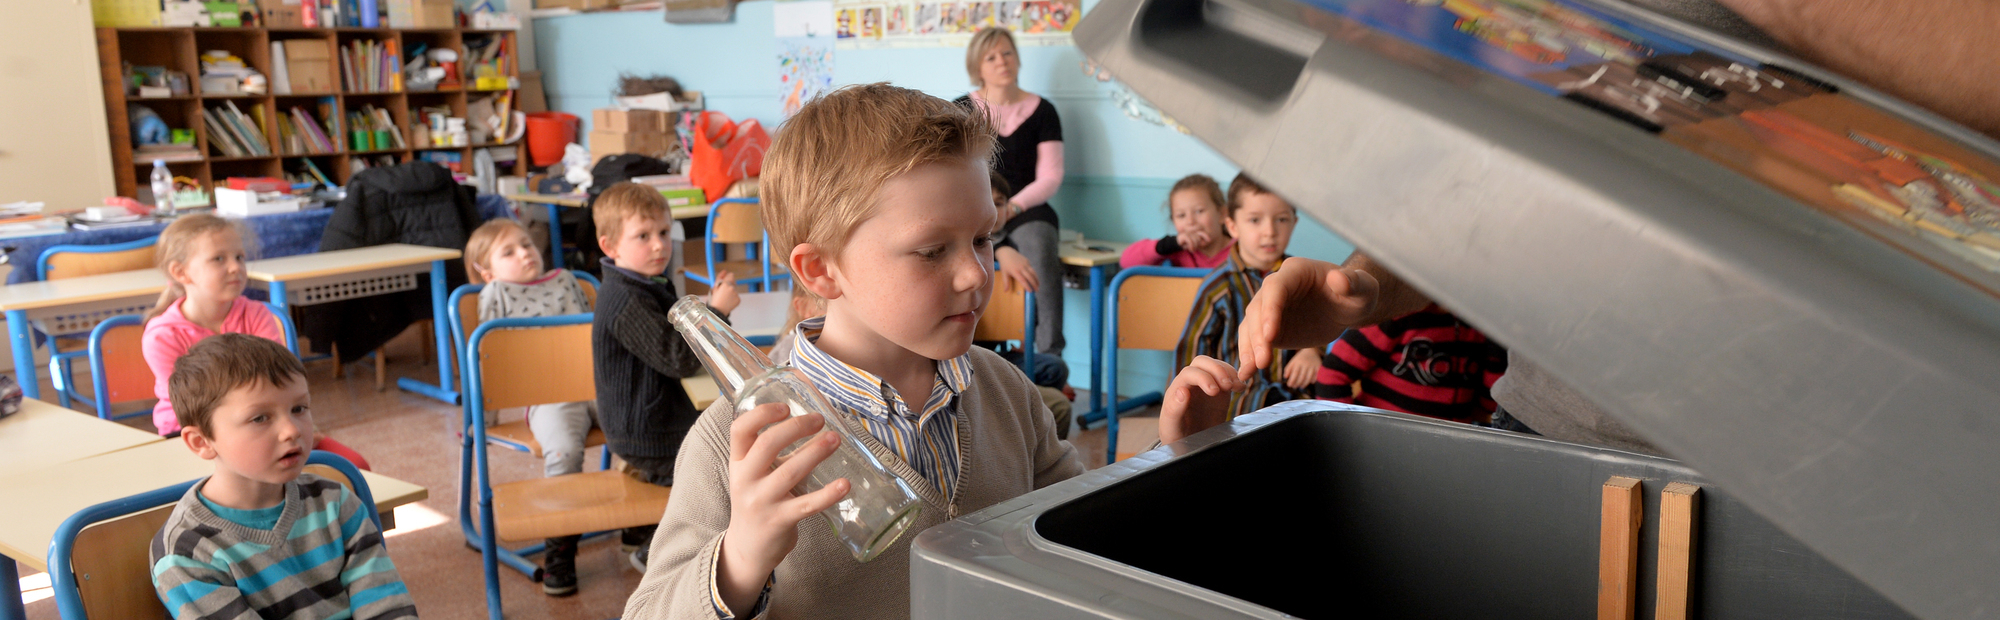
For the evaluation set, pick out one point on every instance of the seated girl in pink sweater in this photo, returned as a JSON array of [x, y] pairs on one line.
[[204, 256], [1198, 240]]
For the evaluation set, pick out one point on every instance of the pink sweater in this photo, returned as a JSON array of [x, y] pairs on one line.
[[169, 336], [1146, 252]]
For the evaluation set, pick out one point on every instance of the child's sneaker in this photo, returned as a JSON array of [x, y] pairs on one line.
[[632, 539], [639, 559], [559, 566]]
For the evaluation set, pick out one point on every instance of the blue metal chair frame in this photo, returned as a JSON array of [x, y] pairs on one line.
[[1111, 352], [59, 369], [476, 534], [482, 536], [69, 603], [65, 395], [42, 262], [713, 252]]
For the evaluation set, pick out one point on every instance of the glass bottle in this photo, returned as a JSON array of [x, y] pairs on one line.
[[879, 505]]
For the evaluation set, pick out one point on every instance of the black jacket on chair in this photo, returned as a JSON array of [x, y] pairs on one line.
[[416, 203]]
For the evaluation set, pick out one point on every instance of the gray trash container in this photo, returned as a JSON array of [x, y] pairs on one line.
[[1322, 510], [1781, 278]]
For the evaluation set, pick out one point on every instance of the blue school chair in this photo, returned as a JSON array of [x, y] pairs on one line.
[[1010, 315], [520, 362], [732, 221], [118, 369], [1149, 310], [75, 261], [99, 563], [462, 315]]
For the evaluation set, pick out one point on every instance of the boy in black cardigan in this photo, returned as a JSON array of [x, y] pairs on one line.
[[640, 359]]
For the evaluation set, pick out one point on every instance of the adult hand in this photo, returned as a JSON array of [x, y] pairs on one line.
[[1197, 399], [764, 515], [1015, 267], [1304, 305], [1303, 369]]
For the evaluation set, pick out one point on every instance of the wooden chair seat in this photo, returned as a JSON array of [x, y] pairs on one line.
[[575, 504], [519, 433]]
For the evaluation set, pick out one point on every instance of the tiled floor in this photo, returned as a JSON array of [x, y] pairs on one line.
[[416, 439]]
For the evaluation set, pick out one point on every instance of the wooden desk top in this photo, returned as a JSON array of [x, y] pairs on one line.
[[38, 501], [575, 201], [43, 434], [47, 293], [345, 261], [701, 389], [1098, 253]]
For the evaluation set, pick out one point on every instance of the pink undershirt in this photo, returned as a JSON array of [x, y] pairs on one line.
[[1049, 155]]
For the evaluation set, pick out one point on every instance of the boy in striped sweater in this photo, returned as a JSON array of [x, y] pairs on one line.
[[259, 538], [1427, 362]]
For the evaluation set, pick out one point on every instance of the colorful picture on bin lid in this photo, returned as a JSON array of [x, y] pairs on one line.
[[1875, 170]]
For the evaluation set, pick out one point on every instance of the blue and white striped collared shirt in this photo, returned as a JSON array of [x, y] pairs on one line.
[[926, 440]]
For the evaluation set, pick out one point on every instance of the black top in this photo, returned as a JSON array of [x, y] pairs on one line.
[[640, 361], [1019, 152]]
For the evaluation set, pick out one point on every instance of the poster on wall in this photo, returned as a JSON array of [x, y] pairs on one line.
[[871, 24], [805, 70]]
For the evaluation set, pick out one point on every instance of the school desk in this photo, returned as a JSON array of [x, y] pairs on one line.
[[39, 500], [69, 306], [309, 279], [555, 202], [42, 434], [1098, 257]]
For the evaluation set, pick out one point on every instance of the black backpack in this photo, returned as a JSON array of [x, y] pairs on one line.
[[608, 171]]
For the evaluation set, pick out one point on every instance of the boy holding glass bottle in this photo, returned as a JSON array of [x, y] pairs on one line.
[[878, 197]]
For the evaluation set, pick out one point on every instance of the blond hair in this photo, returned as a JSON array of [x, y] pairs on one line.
[[982, 42], [479, 246], [827, 163], [221, 364], [177, 241], [622, 200]]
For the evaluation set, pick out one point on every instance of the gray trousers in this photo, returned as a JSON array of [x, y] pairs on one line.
[[561, 428], [1037, 241]]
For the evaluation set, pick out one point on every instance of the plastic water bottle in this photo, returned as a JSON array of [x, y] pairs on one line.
[[163, 189]]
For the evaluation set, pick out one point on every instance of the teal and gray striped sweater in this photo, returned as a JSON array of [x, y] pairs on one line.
[[324, 559]]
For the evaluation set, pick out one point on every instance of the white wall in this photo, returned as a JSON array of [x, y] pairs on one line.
[[54, 146]]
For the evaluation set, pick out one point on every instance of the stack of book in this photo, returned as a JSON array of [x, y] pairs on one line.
[[369, 66], [302, 134], [234, 133], [145, 153]]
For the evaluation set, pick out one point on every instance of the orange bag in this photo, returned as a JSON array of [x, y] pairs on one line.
[[725, 152]]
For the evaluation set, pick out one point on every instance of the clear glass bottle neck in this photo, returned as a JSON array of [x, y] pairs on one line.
[[732, 360]]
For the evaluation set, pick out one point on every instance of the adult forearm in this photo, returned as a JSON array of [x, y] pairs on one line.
[[1048, 176], [1929, 52], [1395, 297]]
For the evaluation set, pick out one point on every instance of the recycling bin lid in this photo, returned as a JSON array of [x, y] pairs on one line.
[[1785, 279]]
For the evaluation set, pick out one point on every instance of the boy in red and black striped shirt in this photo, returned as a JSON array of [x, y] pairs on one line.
[[1427, 362]]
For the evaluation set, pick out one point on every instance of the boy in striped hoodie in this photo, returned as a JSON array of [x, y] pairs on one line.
[[1427, 362], [260, 538]]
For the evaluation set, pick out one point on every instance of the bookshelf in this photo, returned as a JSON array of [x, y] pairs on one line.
[[179, 48]]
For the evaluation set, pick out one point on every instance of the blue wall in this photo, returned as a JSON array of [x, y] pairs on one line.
[[1119, 168]]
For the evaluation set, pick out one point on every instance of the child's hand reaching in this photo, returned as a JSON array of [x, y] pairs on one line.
[[1303, 369], [1192, 240], [1197, 399], [722, 295], [764, 515]]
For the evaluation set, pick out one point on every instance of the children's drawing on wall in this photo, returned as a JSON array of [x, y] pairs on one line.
[[805, 70], [871, 24]]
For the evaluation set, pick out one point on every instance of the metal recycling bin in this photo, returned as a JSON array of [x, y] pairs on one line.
[[1788, 281], [1321, 510]]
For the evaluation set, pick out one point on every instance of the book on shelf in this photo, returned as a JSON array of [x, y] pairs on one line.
[[281, 76], [165, 152], [219, 136]]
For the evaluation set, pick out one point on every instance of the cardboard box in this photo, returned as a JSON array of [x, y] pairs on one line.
[[309, 64], [422, 14], [628, 121], [644, 143], [282, 14]]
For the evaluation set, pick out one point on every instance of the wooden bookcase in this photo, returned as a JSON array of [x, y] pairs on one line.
[[178, 49]]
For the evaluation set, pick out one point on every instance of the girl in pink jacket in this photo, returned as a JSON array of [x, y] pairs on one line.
[[1199, 239]]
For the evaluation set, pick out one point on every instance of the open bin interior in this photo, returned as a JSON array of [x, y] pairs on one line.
[[1335, 514]]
